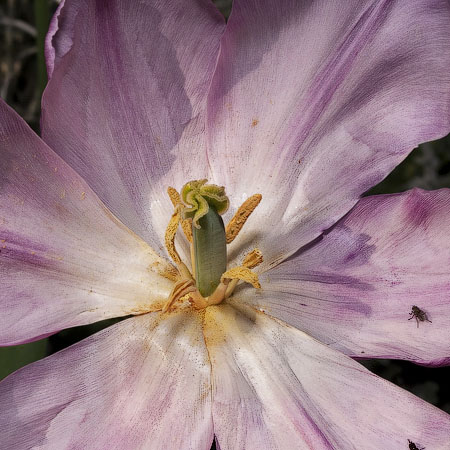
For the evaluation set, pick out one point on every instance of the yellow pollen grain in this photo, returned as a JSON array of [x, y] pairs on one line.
[[83, 195], [242, 273], [255, 122], [242, 214], [253, 259], [215, 326], [63, 194]]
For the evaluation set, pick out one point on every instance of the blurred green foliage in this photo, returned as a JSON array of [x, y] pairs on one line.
[[427, 167], [13, 358]]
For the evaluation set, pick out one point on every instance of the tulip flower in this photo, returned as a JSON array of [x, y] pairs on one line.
[[207, 179]]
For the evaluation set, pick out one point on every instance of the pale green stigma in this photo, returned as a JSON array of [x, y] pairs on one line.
[[199, 196]]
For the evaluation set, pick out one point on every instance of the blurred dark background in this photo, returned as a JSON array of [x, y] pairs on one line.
[[23, 24]]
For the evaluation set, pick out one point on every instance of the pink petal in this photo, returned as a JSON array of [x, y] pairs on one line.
[[355, 288], [314, 102], [64, 259], [126, 101], [141, 384], [275, 387], [55, 49]]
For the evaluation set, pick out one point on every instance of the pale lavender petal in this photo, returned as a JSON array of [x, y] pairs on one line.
[[274, 387], [313, 102], [126, 101], [354, 289], [56, 48], [65, 260], [141, 384]]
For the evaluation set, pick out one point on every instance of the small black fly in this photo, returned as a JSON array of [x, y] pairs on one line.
[[419, 315], [413, 446]]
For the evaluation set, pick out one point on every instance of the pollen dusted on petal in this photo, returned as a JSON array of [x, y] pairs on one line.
[[166, 270], [242, 214], [253, 259]]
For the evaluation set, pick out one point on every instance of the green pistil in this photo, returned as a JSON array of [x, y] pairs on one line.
[[205, 203], [210, 252]]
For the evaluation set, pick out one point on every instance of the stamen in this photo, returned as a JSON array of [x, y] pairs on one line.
[[174, 196], [251, 260], [198, 210], [200, 302], [197, 300], [180, 289], [242, 214], [242, 273], [219, 294], [169, 237], [186, 224]]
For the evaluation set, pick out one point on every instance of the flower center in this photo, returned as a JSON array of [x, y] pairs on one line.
[[204, 205], [198, 210]]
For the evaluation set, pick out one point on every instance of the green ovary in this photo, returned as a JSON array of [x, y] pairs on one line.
[[205, 203]]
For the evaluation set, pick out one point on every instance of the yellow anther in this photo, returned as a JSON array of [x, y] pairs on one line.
[[242, 214], [186, 224], [242, 273], [253, 259], [174, 196], [171, 232]]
